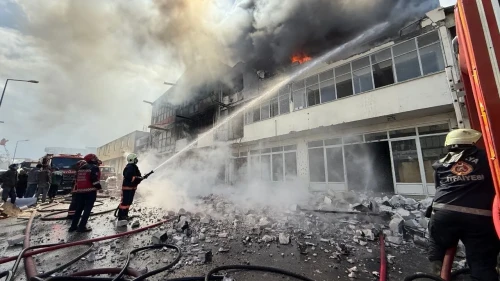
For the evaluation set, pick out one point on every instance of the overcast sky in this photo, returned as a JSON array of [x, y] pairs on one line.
[[96, 62]]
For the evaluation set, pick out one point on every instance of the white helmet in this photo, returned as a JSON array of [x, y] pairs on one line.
[[462, 136], [132, 158]]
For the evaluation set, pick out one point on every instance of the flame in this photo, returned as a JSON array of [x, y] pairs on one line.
[[300, 58]]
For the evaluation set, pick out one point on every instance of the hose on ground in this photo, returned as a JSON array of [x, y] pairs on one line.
[[419, 275], [383, 260], [257, 268], [50, 218], [154, 272], [46, 210]]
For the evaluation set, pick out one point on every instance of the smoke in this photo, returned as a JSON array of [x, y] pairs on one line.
[[202, 173], [266, 33]]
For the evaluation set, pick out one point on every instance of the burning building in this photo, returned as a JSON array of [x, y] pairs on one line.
[[372, 120]]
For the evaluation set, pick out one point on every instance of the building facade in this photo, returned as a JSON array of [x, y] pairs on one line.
[[67, 150], [375, 121], [115, 152]]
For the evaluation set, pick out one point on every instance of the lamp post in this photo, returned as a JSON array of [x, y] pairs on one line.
[[5, 87], [15, 150], [169, 83]]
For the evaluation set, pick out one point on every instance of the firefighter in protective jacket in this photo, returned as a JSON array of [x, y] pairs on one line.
[[462, 206], [87, 184], [72, 206], [131, 179]]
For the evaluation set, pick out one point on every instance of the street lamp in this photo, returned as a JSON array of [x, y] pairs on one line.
[[169, 83], [5, 87], [154, 127], [148, 102], [15, 150]]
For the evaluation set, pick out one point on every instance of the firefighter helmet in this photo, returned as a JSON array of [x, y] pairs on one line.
[[462, 137], [132, 158], [92, 158]]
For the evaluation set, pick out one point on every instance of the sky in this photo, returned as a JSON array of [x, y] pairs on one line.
[[84, 99], [98, 60]]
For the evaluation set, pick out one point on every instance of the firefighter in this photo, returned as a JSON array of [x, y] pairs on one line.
[[462, 206], [9, 182], [87, 184], [131, 179], [72, 205]]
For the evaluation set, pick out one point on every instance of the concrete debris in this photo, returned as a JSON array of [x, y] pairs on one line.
[[418, 240], [460, 250], [202, 236], [15, 239], [194, 240], [353, 269], [375, 273], [390, 259], [397, 201], [205, 257], [327, 200], [136, 224], [405, 214], [284, 239], [223, 235], [267, 238], [205, 220], [181, 212], [412, 223], [425, 203], [394, 240], [368, 234], [183, 220], [423, 222], [352, 275], [159, 237], [396, 225], [264, 222], [223, 250], [121, 223]]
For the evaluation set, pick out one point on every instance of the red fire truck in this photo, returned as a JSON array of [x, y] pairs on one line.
[[66, 164]]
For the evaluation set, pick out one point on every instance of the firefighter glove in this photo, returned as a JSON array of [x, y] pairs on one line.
[[98, 186]]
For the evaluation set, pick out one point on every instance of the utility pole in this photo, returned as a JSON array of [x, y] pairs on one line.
[[7, 81]]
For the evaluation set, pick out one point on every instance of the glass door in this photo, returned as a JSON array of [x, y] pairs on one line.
[[406, 166]]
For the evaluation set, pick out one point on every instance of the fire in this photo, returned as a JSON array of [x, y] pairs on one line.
[[300, 58]]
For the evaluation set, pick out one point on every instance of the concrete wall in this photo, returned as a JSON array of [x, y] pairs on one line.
[[426, 92]]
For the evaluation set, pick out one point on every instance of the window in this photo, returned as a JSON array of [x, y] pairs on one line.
[[406, 167], [284, 103], [290, 166], [277, 167], [431, 55], [315, 143], [265, 167], [432, 150], [335, 164], [344, 81], [376, 136], [274, 107], [362, 79], [299, 99], [402, 133], [382, 68], [249, 117], [265, 110], [433, 129], [337, 141], [327, 90], [317, 165], [353, 139], [406, 61], [312, 95], [256, 114]]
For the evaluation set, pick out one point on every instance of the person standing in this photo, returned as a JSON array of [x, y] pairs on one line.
[[461, 209], [44, 179], [33, 181], [9, 182], [56, 181], [131, 179], [87, 184], [22, 183], [72, 205]]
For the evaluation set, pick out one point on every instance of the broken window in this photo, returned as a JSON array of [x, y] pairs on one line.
[[362, 79], [432, 150], [317, 165], [265, 110], [343, 81], [274, 107], [256, 113], [406, 61], [382, 68], [405, 157], [312, 95], [277, 159], [290, 166], [335, 164], [431, 55], [434, 129]]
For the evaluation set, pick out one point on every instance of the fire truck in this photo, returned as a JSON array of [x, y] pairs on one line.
[[66, 163], [478, 45]]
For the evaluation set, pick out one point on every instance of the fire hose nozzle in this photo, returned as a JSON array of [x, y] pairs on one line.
[[148, 174]]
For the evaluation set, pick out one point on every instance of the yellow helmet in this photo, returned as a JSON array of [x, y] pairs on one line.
[[462, 136]]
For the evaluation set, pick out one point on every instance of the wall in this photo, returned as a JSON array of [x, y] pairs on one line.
[[420, 93], [117, 148]]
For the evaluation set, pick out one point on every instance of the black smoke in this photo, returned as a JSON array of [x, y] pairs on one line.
[[266, 33]]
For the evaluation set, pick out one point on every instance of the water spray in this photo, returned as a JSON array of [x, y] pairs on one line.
[[359, 40]]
